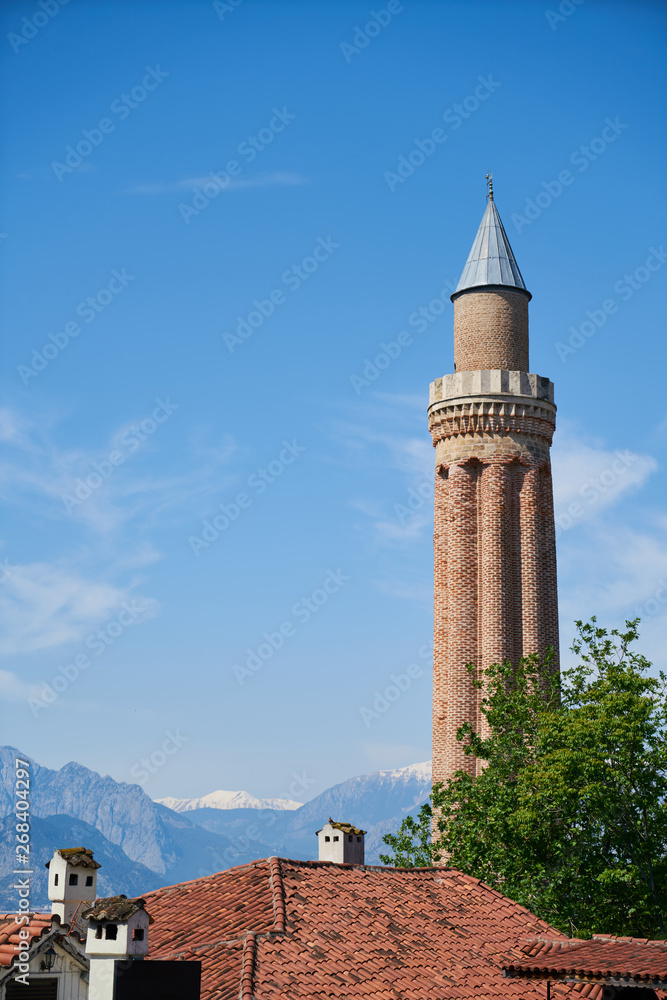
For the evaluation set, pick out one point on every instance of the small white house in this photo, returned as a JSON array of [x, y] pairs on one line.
[[341, 843]]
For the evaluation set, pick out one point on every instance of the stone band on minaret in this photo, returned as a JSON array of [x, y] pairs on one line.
[[494, 540]]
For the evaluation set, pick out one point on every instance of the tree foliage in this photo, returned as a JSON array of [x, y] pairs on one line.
[[568, 814]]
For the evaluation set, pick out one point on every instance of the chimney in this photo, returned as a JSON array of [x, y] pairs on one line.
[[341, 843], [117, 934], [72, 881]]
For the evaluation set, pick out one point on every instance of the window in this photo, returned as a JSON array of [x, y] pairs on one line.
[[98, 931], [112, 932], [336, 838], [55, 880], [37, 989], [138, 934], [350, 838], [89, 879], [74, 879], [358, 839], [327, 839]]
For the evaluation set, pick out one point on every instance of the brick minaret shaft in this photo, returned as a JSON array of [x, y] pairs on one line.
[[495, 551]]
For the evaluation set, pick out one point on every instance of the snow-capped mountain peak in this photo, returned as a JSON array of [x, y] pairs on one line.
[[420, 772], [227, 800]]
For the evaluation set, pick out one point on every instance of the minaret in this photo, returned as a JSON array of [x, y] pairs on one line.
[[495, 550]]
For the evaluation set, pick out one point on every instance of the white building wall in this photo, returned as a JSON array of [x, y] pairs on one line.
[[71, 985], [124, 943], [66, 899], [340, 847], [102, 971]]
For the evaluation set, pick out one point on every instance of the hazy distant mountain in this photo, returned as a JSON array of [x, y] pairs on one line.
[[59, 831], [171, 846], [143, 844], [227, 800], [376, 802]]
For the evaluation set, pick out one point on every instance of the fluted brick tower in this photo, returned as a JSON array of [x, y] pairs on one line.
[[495, 550]]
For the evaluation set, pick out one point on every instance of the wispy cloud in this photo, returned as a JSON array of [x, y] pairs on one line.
[[589, 477], [278, 178], [40, 476], [379, 437], [59, 600], [387, 447], [13, 689], [43, 606], [616, 571], [613, 568]]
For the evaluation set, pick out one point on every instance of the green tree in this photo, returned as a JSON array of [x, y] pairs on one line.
[[568, 815]]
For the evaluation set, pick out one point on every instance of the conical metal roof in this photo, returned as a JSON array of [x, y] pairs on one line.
[[491, 261]]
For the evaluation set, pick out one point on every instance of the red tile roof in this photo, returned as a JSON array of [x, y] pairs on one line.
[[604, 957], [305, 929], [40, 924]]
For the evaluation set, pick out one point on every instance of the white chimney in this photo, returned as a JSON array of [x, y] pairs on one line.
[[341, 843], [72, 881], [117, 931]]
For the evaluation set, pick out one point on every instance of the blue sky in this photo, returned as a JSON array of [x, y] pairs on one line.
[[206, 358]]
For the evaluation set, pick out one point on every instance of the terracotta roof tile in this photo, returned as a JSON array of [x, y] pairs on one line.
[[305, 930], [40, 924], [603, 957]]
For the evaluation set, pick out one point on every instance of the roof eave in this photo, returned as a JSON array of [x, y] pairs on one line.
[[491, 288], [603, 979]]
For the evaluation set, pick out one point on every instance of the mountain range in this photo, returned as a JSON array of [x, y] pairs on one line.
[[142, 844]]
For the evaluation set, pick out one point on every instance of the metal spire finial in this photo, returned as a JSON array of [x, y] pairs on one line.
[[491, 261]]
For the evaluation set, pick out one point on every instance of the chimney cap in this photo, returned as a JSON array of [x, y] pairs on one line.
[[116, 908], [345, 827], [77, 857]]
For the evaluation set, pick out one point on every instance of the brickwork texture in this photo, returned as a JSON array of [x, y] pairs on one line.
[[495, 595], [491, 330]]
